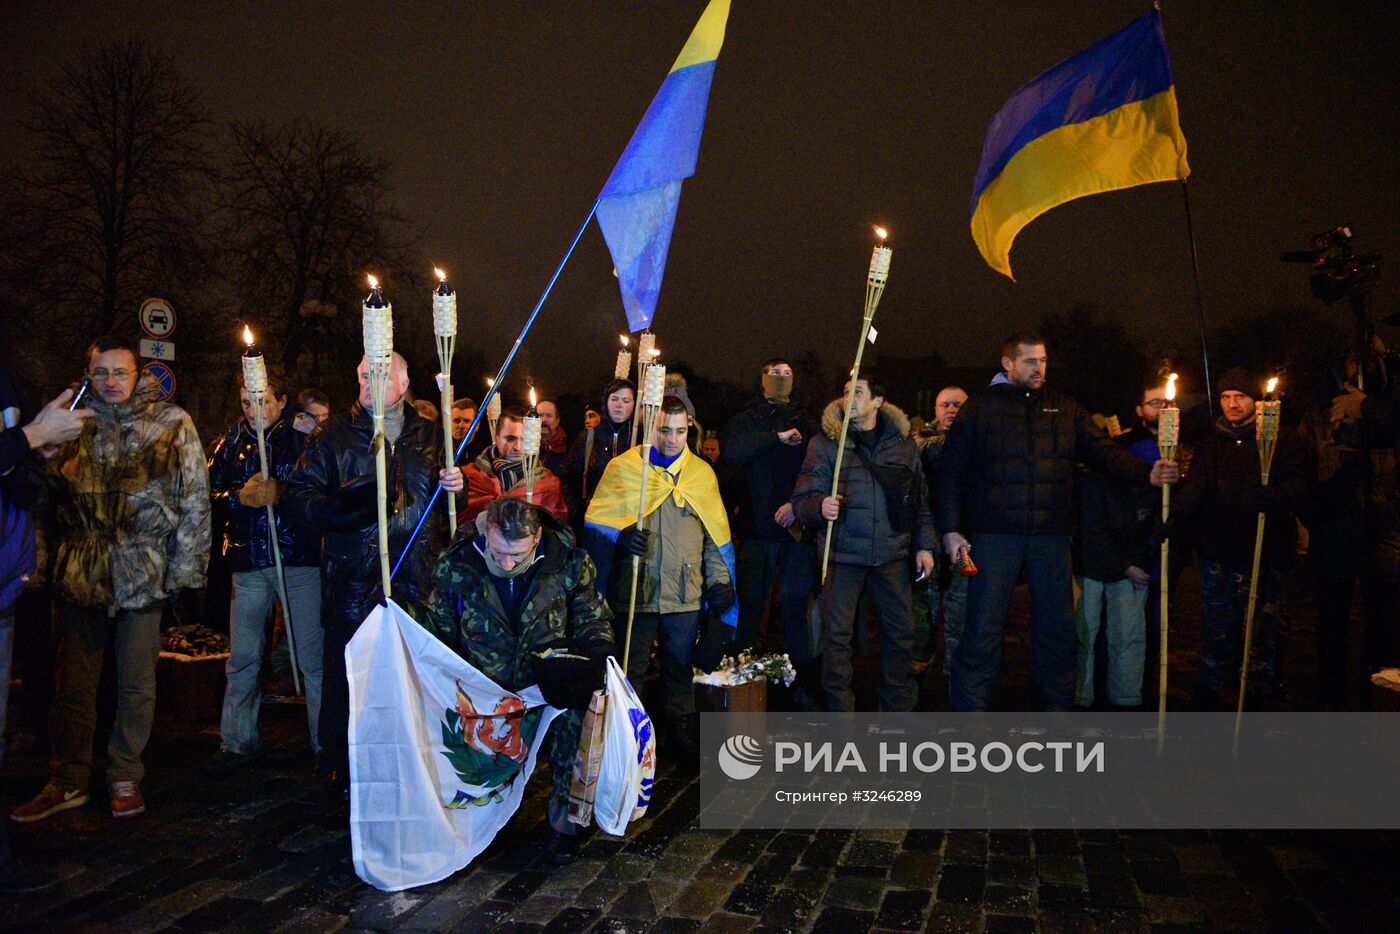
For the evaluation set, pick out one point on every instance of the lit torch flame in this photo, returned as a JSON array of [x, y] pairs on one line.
[[1271, 385], [442, 276], [247, 335], [373, 282], [655, 352], [882, 233], [626, 341], [532, 397], [490, 382], [1171, 387]]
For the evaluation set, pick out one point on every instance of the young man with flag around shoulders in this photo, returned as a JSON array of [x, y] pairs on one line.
[[686, 589]]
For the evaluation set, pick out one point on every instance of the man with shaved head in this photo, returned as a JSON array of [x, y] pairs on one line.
[[333, 490]]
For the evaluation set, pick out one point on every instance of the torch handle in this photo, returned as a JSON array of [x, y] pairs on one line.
[[447, 449], [1163, 626], [872, 298], [636, 559], [1249, 625], [277, 561], [382, 479]]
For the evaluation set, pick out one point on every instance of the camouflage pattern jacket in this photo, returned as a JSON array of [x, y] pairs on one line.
[[561, 608], [132, 505]]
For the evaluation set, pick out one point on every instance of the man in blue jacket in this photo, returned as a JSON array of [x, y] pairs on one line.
[[235, 477], [1005, 494]]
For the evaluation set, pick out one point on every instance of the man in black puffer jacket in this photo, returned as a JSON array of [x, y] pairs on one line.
[[1005, 493], [235, 479], [881, 520], [333, 490]]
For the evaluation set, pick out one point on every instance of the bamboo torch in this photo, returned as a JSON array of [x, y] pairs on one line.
[[654, 381], [445, 329], [1168, 434], [623, 367], [530, 447], [874, 288], [1266, 423], [646, 355], [379, 355], [255, 381], [493, 408]]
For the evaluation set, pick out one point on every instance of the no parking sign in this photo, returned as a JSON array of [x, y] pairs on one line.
[[164, 377]]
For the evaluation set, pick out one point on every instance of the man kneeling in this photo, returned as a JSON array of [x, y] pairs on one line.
[[503, 599]]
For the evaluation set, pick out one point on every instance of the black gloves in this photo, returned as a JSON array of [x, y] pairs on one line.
[[709, 651], [634, 541], [719, 597], [568, 681]]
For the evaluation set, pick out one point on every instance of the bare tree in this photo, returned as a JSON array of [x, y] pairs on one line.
[[117, 170], [307, 212]]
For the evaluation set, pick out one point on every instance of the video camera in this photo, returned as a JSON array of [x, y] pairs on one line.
[[1338, 270]]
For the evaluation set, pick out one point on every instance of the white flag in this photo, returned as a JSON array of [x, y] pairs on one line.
[[439, 753]]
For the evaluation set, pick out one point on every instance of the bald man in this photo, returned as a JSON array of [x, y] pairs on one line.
[[333, 491]]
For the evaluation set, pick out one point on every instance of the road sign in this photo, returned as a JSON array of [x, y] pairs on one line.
[[164, 376], [158, 350], [157, 318]]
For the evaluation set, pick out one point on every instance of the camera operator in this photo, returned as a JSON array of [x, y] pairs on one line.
[[1355, 521]]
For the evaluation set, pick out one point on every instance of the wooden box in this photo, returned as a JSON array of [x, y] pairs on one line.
[[749, 697], [190, 687]]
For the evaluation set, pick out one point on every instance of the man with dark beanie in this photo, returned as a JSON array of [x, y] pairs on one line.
[[1222, 488], [594, 447], [768, 442]]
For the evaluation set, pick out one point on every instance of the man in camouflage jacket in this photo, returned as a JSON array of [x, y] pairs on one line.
[[517, 590], [132, 530]]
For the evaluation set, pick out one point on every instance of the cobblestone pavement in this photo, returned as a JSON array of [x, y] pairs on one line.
[[256, 851]]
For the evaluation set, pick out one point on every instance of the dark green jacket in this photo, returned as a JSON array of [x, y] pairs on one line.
[[562, 609]]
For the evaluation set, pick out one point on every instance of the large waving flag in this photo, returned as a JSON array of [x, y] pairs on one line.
[[637, 207], [1102, 120]]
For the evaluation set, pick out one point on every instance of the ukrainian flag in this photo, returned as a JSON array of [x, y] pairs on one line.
[[637, 207], [1102, 120]]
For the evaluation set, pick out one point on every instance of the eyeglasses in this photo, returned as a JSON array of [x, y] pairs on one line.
[[115, 374], [1154, 403]]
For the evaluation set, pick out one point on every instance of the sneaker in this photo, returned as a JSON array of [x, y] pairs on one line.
[[49, 801], [226, 760], [126, 800]]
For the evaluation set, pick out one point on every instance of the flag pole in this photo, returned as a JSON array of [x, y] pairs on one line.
[[496, 385], [1200, 303]]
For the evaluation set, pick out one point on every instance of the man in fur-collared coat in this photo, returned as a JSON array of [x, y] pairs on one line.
[[882, 519]]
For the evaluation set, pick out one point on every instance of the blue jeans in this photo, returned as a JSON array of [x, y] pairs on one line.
[[794, 566], [1224, 599], [977, 660], [254, 596], [1126, 607]]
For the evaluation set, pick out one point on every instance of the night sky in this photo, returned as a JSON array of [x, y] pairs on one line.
[[504, 119]]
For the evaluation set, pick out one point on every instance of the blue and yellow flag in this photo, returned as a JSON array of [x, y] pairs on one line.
[[637, 207], [1102, 120]]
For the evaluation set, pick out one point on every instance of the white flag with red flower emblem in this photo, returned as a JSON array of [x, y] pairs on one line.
[[439, 753]]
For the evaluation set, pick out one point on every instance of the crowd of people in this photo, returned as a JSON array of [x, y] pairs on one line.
[[928, 527]]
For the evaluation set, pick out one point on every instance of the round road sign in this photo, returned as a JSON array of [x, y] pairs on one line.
[[164, 376], [157, 318]]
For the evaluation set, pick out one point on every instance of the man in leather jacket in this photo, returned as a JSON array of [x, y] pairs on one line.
[[235, 477], [333, 491]]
